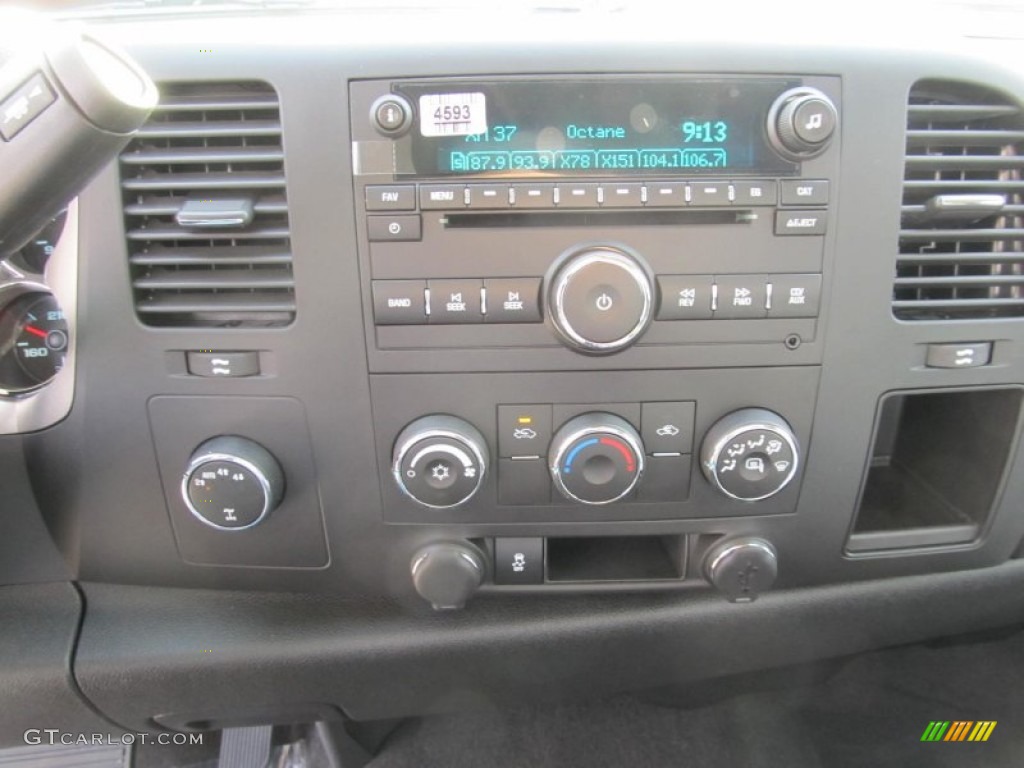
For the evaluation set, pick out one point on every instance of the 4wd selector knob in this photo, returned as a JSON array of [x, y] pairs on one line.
[[596, 458], [750, 455], [801, 123], [232, 483], [440, 461], [599, 299]]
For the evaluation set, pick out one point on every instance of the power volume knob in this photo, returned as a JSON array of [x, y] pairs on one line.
[[440, 461], [801, 123], [599, 299]]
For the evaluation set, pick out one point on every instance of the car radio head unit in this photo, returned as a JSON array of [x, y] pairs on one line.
[[655, 216]]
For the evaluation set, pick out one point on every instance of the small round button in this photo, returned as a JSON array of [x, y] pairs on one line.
[[600, 300], [596, 458], [801, 123], [391, 114], [440, 461], [814, 120]]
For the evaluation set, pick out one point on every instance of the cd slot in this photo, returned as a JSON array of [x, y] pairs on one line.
[[590, 218]]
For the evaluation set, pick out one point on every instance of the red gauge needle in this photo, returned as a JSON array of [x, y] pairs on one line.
[[35, 331]]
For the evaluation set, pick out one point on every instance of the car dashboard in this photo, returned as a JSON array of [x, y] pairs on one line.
[[404, 361]]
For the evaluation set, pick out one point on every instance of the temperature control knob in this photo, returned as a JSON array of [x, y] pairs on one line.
[[599, 299], [801, 123], [750, 455], [596, 458], [232, 483], [440, 461]]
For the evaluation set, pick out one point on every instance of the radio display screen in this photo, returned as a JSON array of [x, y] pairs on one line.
[[593, 127]]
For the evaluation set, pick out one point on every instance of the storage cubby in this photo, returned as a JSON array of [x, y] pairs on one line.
[[937, 465]]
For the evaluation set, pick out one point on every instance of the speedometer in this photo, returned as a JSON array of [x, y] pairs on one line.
[[33, 342]]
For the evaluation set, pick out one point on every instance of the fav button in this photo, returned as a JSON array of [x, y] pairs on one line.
[[397, 197], [455, 301]]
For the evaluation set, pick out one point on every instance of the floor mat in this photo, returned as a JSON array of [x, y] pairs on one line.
[[873, 712]]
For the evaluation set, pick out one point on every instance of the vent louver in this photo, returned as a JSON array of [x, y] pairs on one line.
[[962, 230], [205, 210]]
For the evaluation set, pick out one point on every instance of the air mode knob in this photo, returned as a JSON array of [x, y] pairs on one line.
[[232, 483], [801, 123], [440, 461], [599, 298], [596, 458], [750, 455]]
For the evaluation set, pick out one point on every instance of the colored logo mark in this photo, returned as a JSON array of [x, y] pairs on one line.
[[958, 730]]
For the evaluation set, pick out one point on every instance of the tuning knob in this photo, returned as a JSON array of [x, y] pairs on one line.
[[448, 573], [599, 299], [596, 458], [440, 461], [750, 455], [741, 568], [801, 123], [232, 483]]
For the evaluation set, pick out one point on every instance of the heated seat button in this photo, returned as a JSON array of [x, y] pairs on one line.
[[228, 365], [519, 561], [972, 355]]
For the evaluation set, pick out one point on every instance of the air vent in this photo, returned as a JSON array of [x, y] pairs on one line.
[[962, 233], [205, 211]]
